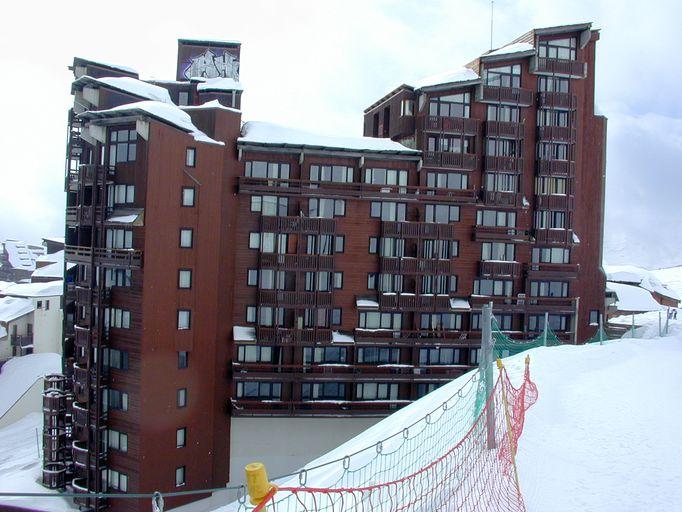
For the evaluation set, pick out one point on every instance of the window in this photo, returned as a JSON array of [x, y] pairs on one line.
[[497, 251], [565, 49], [501, 182], [47, 305], [254, 240], [272, 279], [441, 321], [552, 84], [252, 277], [116, 480], [551, 255], [438, 284], [183, 98], [441, 213], [386, 177], [392, 247], [254, 354], [550, 117], [184, 319], [376, 391], [270, 205], [184, 278], [117, 277], [115, 400], [388, 210], [372, 281], [549, 219], [407, 108], [331, 173], [251, 314], [122, 146], [315, 317], [272, 170], [504, 113], [548, 289], [255, 390], [180, 476], [378, 355], [191, 157], [493, 287], [119, 238], [594, 317], [433, 356], [550, 185], [450, 144], [495, 218], [181, 437], [336, 316], [188, 196], [338, 280], [452, 105], [323, 391], [440, 249], [474, 355], [339, 243], [320, 244], [326, 208], [114, 358], [377, 320], [318, 281], [39, 304], [503, 321], [373, 244], [116, 317], [269, 316], [117, 440], [503, 147], [327, 355], [503, 76], [449, 180], [556, 322], [554, 151], [120, 194], [181, 397], [387, 283], [183, 359], [186, 235]]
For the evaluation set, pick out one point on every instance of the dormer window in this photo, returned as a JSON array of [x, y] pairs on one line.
[[565, 49]]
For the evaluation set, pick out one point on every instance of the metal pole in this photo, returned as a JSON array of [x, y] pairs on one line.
[[601, 329], [667, 321], [660, 325], [37, 444], [575, 330], [487, 370], [545, 330], [632, 329]]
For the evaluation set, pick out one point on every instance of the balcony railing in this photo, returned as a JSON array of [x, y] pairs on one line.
[[54, 475], [297, 299], [556, 168], [404, 229], [21, 340], [554, 202], [306, 225], [504, 164], [404, 125], [87, 296], [454, 125], [105, 256], [284, 335], [484, 233], [411, 302], [553, 270], [495, 198], [416, 337], [506, 95], [415, 266], [526, 305], [504, 129], [87, 336], [557, 236], [333, 408], [499, 268], [558, 67], [556, 133], [444, 159], [561, 100], [297, 261]]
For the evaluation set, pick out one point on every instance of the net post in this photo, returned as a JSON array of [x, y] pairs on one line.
[[660, 325], [667, 321], [601, 329], [486, 370], [257, 484], [544, 334], [632, 329]]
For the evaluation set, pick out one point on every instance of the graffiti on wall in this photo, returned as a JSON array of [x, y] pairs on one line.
[[210, 64]]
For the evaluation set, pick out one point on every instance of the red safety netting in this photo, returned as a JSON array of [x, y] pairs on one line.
[[468, 470]]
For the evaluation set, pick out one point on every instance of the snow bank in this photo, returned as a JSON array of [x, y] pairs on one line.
[[20, 373], [128, 85], [219, 84]]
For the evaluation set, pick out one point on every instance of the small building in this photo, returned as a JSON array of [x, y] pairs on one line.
[[642, 278], [16, 327], [18, 260]]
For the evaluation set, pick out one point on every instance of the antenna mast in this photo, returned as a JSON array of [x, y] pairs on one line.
[[492, 8]]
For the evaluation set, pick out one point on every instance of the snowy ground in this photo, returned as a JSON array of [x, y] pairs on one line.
[[20, 373]]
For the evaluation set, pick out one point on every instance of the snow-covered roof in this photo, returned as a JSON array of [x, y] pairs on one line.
[[460, 304], [12, 308], [641, 277], [164, 112], [210, 42], [270, 134], [57, 239], [123, 219], [53, 257], [513, 48], [219, 84], [242, 333], [209, 105], [458, 75], [20, 373], [54, 270], [128, 85], [366, 303], [632, 298], [48, 289], [5, 284], [125, 69], [20, 256], [338, 337]]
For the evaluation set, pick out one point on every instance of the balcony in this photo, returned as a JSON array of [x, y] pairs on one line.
[[504, 164], [553, 270], [403, 125], [54, 402], [562, 100], [87, 296], [495, 198], [285, 336], [415, 266], [447, 160], [80, 486], [404, 229], [558, 67], [411, 302], [499, 269], [495, 233], [505, 95], [450, 125], [318, 408], [297, 261], [104, 256], [86, 337], [564, 168], [54, 475], [305, 225], [294, 299], [556, 133], [83, 215], [504, 129], [526, 305], [554, 202], [411, 338], [81, 384], [21, 341], [553, 236]]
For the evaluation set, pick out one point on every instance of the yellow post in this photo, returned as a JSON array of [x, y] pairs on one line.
[[257, 482]]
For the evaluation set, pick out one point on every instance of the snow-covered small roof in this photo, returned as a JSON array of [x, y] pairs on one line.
[[458, 75], [632, 298], [242, 333], [48, 289], [270, 134], [57, 239], [127, 85], [20, 256], [209, 105], [514, 48], [12, 308], [640, 277], [123, 219], [164, 112], [210, 42], [366, 303], [460, 304], [219, 84], [54, 270], [54, 257]]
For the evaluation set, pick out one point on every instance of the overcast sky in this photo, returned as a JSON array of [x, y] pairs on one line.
[[317, 65]]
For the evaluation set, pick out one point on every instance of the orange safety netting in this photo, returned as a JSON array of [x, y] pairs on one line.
[[473, 470]]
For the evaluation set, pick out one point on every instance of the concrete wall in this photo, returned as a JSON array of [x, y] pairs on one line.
[[31, 401], [286, 444]]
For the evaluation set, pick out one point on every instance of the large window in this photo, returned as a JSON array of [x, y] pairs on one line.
[[548, 289], [497, 251], [449, 180], [432, 356], [254, 354], [327, 208], [115, 400], [388, 210], [377, 320], [271, 279], [329, 355], [554, 151], [332, 173], [270, 205], [386, 177], [259, 390], [441, 213], [116, 317], [501, 182], [550, 185], [556, 322], [116, 480], [323, 391], [551, 255], [503, 147], [119, 238], [114, 358], [437, 284], [120, 194], [441, 321], [321, 244], [558, 48], [424, 389], [376, 391], [117, 440], [118, 277], [550, 117], [449, 144], [553, 84], [392, 247], [378, 355], [452, 105], [269, 242], [503, 76], [318, 281], [273, 170], [496, 218], [493, 287], [440, 249], [122, 146], [504, 322], [269, 316], [548, 219], [505, 113]]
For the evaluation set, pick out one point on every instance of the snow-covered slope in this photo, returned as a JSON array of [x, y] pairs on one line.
[[20, 373], [672, 277]]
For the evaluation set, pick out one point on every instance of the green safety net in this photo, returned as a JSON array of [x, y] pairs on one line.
[[598, 337]]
